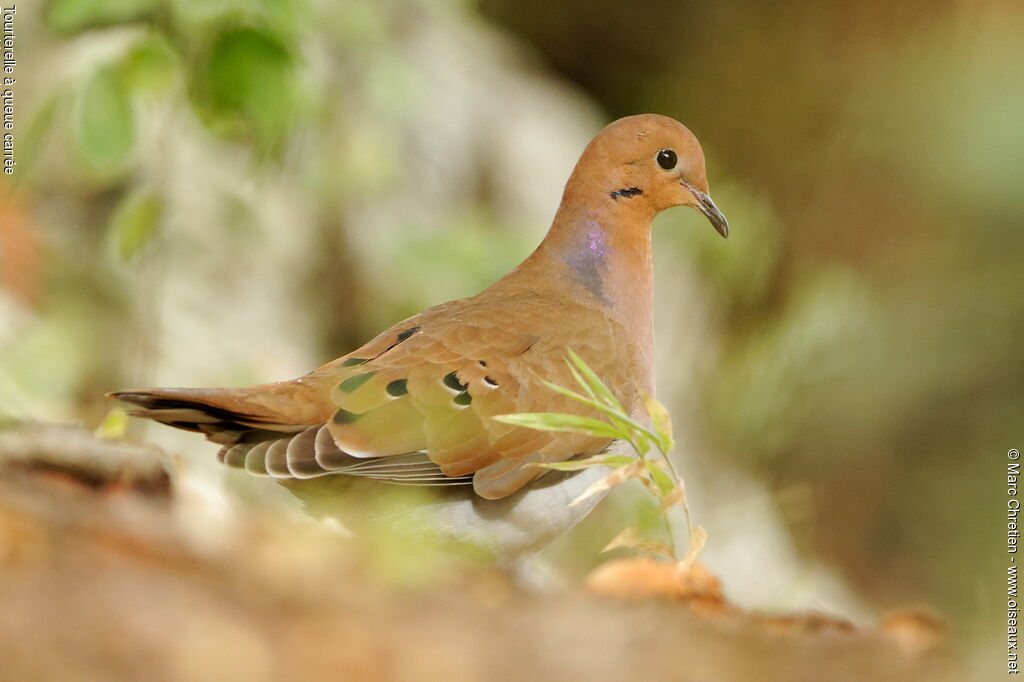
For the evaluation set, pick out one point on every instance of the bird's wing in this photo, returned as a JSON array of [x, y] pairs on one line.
[[414, 405], [431, 384]]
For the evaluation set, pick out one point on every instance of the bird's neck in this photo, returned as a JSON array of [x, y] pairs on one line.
[[602, 259]]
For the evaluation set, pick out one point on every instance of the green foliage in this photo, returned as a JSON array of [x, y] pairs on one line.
[[105, 124], [69, 16], [247, 84], [134, 223], [463, 250], [150, 65], [38, 130], [114, 425], [544, 421], [287, 17], [768, 384], [739, 271], [8, 422], [650, 465], [858, 331]]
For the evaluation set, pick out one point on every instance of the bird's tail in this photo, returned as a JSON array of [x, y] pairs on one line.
[[224, 416], [284, 443]]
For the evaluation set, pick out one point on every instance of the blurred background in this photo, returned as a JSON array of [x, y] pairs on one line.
[[228, 192]]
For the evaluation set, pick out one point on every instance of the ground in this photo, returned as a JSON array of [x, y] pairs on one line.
[[100, 579]]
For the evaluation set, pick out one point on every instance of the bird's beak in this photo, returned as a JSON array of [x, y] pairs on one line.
[[706, 206]]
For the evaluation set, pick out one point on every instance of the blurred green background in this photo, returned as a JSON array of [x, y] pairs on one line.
[[234, 192]]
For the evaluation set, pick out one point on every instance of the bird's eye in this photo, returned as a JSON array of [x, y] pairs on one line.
[[666, 159]]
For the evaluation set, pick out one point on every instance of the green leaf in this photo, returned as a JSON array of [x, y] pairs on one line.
[[40, 126], [594, 383], [134, 222], [661, 479], [627, 428], [641, 440], [581, 381], [105, 125], [602, 399], [614, 461], [248, 82], [662, 423], [618, 418], [549, 421], [150, 65], [578, 397], [69, 16]]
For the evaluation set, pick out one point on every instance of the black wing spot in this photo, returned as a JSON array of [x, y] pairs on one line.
[[352, 362], [490, 382], [402, 336], [463, 398], [345, 417], [482, 363], [397, 388], [354, 382], [406, 334], [452, 382]]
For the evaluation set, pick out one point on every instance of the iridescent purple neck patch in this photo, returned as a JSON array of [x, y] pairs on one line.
[[589, 259]]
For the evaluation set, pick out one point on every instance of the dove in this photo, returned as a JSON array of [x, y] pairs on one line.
[[414, 405]]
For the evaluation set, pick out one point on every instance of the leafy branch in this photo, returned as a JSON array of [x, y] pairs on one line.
[[650, 464]]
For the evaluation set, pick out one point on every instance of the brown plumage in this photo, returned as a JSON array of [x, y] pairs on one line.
[[413, 405]]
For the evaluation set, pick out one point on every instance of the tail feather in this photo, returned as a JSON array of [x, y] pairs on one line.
[[262, 442], [208, 412]]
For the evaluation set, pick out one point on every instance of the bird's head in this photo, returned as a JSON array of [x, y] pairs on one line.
[[650, 162]]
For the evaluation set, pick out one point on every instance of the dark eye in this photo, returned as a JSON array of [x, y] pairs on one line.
[[666, 159]]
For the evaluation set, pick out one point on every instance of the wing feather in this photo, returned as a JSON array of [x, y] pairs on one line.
[[414, 406], [433, 382]]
